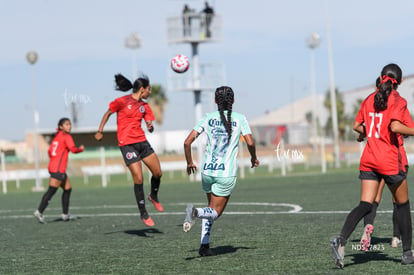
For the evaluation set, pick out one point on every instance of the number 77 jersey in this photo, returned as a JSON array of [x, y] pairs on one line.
[[382, 154]]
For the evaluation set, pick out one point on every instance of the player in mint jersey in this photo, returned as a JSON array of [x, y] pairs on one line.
[[219, 168]]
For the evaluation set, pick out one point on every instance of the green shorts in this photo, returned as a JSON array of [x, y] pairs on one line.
[[219, 186]]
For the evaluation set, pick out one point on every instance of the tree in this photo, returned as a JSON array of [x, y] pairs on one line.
[[350, 135], [340, 109], [157, 101]]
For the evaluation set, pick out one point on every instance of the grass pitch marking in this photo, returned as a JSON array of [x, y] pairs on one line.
[[291, 209]]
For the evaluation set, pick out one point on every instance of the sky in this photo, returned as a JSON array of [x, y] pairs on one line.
[[263, 52]]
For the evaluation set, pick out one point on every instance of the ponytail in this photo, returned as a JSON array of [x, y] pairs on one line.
[[391, 77], [381, 97], [123, 84]]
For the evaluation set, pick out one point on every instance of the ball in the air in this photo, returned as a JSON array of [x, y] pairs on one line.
[[180, 63]]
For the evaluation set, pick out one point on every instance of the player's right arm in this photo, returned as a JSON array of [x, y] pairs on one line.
[[191, 167], [398, 127], [99, 133]]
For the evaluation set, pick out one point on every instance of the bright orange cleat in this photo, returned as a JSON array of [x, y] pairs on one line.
[[148, 221], [157, 205]]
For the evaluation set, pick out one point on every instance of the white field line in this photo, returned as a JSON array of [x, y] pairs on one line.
[[292, 209]]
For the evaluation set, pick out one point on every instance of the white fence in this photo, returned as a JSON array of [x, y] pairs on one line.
[[168, 167], [18, 175]]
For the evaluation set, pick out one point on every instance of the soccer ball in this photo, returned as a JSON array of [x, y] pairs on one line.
[[180, 63]]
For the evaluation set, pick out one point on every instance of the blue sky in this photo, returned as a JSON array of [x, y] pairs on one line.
[[81, 46]]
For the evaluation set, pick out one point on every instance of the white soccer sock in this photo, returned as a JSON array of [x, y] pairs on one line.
[[206, 226], [207, 213]]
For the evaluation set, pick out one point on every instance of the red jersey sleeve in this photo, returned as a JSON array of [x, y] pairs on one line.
[[70, 144], [398, 105], [360, 116], [149, 115], [401, 112], [408, 120], [116, 105]]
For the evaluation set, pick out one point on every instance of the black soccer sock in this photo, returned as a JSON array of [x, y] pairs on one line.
[[396, 228], [140, 198], [404, 224], [354, 217], [370, 217], [155, 184], [46, 198], [65, 200]]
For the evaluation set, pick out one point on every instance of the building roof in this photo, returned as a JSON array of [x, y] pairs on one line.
[[295, 113]]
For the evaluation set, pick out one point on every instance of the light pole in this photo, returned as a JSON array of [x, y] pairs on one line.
[[313, 42], [32, 58], [332, 89], [133, 42]]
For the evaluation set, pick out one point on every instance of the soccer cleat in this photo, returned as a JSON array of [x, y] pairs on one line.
[[366, 237], [395, 242], [68, 217], [147, 220], [39, 216], [338, 251], [407, 257], [157, 205], [205, 250], [189, 220]]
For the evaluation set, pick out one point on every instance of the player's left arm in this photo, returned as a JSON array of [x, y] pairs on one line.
[[150, 126], [359, 128], [251, 147], [70, 144], [252, 150], [362, 136], [149, 118]]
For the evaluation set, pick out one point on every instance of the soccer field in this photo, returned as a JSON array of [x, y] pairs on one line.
[[272, 225]]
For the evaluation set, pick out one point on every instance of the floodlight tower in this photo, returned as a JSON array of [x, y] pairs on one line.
[[32, 57], [133, 42], [313, 42], [195, 28]]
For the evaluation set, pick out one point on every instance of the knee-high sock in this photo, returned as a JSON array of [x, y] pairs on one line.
[[140, 198], [155, 185], [65, 200], [46, 198], [404, 224], [395, 229], [353, 218], [206, 226], [370, 217], [207, 213]]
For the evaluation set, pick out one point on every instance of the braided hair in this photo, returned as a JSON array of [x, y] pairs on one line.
[[224, 98], [123, 84], [391, 76]]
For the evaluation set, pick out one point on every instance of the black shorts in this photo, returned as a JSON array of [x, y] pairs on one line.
[[135, 152], [389, 179], [59, 176]]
